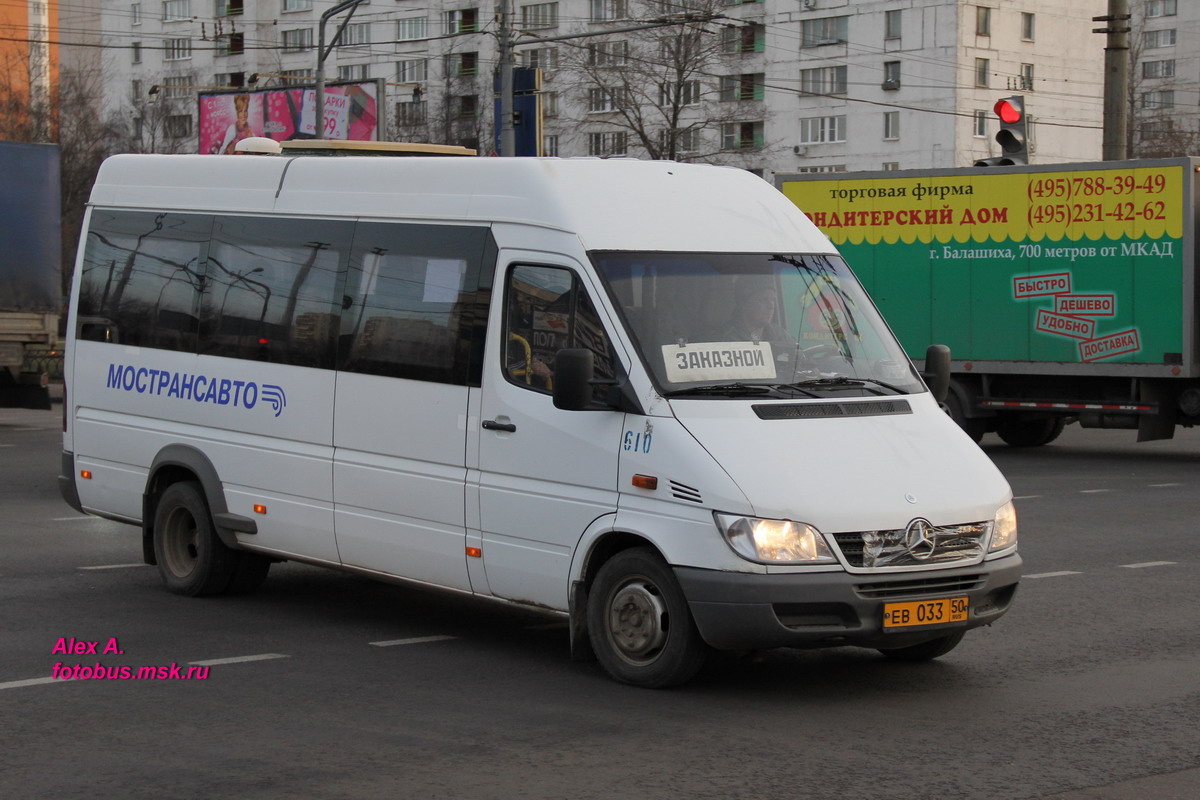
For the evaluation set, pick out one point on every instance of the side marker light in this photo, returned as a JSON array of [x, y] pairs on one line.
[[645, 482]]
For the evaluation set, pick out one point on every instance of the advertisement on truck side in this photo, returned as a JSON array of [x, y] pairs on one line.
[[1070, 265]]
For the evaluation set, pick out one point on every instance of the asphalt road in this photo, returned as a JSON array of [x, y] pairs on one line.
[[328, 685]]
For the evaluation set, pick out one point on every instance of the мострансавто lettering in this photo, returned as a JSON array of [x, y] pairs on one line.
[[198, 388]]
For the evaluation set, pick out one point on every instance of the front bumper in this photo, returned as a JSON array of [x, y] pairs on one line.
[[741, 611]]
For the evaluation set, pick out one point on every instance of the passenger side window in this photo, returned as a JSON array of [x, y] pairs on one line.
[[415, 304], [141, 278], [547, 310], [271, 289]]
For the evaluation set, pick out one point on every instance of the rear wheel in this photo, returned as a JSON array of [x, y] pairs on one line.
[[926, 650], [639, 623], [191, 558], [1030, 432]]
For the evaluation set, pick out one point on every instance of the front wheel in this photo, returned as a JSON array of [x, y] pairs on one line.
[[191, 558], [926, 651], [639, 623]]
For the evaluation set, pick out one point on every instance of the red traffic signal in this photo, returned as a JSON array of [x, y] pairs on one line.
[[1012, 136], [1010, 109]]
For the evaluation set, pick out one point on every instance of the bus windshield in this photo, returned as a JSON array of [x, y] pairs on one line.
[[726, 325]]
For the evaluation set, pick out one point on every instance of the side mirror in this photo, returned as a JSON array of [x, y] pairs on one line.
[[937, 371], [573, 370]]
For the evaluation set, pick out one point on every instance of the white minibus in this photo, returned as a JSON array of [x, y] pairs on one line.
[[648, 396]]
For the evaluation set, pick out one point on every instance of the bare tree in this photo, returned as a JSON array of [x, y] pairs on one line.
[[84, 136], [75, 120], [1157, 128], [678, 91], [148, 124], [20, 118], [450, 111]]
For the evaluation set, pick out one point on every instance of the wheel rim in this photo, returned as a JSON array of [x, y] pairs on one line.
[[180, 538], [638, 621]]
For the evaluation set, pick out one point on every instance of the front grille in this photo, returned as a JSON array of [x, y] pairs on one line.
[[870, 408], [902, 547], [923, 587]]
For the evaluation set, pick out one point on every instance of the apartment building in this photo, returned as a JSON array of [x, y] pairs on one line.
[[1164, 81], [769, 85], [28, 68]]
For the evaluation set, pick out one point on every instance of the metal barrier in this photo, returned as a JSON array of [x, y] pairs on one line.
[[44, 359]]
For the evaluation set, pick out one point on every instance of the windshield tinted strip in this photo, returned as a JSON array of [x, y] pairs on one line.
[[878, 408]]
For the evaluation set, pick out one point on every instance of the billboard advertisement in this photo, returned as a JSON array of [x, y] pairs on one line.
[[351, 112]]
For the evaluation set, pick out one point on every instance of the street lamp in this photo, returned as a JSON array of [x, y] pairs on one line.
[[323, 53]]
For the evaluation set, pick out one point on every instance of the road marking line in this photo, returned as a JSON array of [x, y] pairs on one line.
[[212, 662], [414, 640], [547, 626], [70, 519], [1026, 497], [1051, 574], [1148, 564], [116, 566], [7, 445], [1163, 485], [1094, 491], [30, 682]]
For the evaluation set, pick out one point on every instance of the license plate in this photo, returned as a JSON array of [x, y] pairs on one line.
[[925, 612]]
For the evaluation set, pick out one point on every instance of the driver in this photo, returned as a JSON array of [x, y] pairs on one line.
[[754, 313], [754, 321]]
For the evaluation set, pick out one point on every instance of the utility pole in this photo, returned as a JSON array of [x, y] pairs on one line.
[[1116, 80], [323, 53], [508, 144]]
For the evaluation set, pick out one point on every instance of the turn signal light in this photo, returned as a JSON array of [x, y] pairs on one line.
[[259, 508], [474, 552], [86, 474], [645, 482]]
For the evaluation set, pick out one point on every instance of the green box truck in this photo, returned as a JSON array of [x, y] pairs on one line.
[[1066, 292]]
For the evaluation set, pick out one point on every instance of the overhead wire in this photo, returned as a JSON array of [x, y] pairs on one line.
[[779, 31]]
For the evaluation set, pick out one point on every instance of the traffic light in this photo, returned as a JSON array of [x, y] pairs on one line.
[[1012, 135]]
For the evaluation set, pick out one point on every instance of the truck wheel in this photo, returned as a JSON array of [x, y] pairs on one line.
[[191, 558], [1030, 432], [639, 622], [973, 427], [926, 651]]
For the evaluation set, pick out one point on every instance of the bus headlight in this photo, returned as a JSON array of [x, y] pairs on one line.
[[1004, 529], [774, 541]]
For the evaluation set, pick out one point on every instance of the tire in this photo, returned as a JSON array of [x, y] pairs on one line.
[[249, 573], [973, 427], [639, 623], [192, 560], [1030, 432], [926, 651]]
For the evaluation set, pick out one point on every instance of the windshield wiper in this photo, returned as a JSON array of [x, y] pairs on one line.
[[848, 383], [730, 389]]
